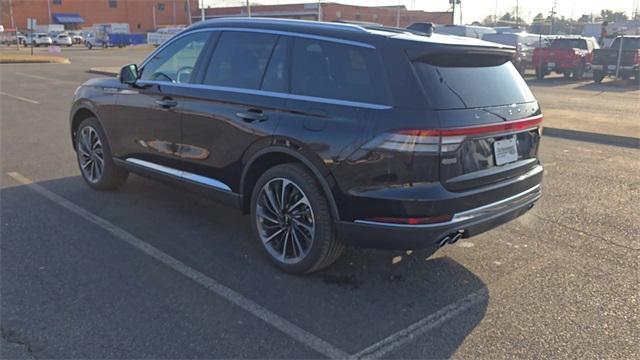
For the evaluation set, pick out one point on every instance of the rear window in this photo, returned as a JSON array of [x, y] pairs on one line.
[[337, 71], [569, 44], [627, 44], [458, 82]]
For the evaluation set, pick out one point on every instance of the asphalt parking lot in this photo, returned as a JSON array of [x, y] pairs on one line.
[[150, 271]]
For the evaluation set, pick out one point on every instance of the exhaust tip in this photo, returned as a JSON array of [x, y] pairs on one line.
[[451, 238]]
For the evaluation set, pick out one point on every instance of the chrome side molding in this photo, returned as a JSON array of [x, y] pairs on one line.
[[181, 174]]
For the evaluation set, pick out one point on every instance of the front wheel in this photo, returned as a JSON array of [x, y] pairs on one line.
[[578, 71], [94, 157], [540, 73], [291, 219], [598, 76]]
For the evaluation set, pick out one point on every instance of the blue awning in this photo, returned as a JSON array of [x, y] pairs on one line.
[[67, 18]]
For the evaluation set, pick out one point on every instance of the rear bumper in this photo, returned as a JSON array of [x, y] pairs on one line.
[[471, 222], [612, 68]]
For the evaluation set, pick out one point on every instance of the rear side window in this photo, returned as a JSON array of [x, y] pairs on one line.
[[240, 59], [337, 71], [569, 43], [458, 82]]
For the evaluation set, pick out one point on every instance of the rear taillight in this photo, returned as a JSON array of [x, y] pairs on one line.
[[445, 140]]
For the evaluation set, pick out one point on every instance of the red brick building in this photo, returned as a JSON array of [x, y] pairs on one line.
[[141, 15], [329, 11]]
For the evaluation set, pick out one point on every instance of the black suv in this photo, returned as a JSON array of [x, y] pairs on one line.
[[327, 134]]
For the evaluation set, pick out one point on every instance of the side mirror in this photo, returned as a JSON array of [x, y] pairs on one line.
[[129, 74]]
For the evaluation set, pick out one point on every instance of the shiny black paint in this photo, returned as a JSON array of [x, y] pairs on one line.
[[206, 134]]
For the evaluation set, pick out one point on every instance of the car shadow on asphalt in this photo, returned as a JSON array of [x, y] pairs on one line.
[[607, 85], [596, 138], [365, 297]]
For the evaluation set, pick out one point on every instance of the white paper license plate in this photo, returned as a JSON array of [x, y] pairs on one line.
[[551, 65], [505, 151], [611, 67]]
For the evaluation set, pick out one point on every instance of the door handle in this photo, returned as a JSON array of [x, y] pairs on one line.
[[167, 103], [252, 115]]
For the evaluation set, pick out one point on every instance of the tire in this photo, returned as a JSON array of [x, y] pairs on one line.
[[308, 247], [110, 177], [567, 74], [598, 76], [90, 46], [540, 73], [578, 71]]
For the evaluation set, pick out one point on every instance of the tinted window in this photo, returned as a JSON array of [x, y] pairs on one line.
[[569, 43], [629, 43], [240, 59], [337, 71], [464, 85], [277, 76], [175, 62]]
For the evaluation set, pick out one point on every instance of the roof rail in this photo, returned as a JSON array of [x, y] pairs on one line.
[[309, 23]]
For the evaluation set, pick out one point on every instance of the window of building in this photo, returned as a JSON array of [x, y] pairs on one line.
[[160, 6], [358, 16], [139, 26], [57, 2], [336, 71], [175, 62], [240, 59], [338, 14], [113, 3], [375, 17]]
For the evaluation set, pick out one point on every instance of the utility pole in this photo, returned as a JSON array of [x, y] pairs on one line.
[[153, 13], [174, 12], [202, 10], [248, 9], [460, 10], [49, 12], [553, 14], [495, 14], [398, 15], [188, 8], [517, 13], [319, 10]]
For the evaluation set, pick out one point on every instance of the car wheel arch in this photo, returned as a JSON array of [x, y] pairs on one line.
[[274, 155], [81, 113]]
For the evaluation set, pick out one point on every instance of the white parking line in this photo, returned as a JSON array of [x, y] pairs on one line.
[[248, 305], [19, 98], [436, 319], [44, 78]]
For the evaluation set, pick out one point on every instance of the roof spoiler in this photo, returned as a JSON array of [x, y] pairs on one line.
[[421, 28], [462, 55]]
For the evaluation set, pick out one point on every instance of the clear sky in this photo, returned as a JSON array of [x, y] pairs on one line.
[[478, 9]]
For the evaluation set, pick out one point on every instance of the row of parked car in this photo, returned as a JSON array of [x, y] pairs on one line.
[[46, 39], [571, 56]]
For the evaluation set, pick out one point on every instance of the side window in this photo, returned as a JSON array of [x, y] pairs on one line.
[[240, 59], [336, 71], [276, 78], [175, 62]]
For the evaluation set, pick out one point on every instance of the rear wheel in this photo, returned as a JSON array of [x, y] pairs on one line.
[[292, 221], [95, 158], [578, 71], [598, 76]]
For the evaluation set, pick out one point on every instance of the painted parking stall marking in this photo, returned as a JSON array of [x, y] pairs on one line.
[[16, 97], [280, 323]]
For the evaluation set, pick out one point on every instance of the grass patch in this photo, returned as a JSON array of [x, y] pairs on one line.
[[35, 59]]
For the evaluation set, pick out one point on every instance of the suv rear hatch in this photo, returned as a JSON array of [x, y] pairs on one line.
[[490, 123]]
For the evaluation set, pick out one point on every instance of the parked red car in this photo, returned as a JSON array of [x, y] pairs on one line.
[[566, 55]]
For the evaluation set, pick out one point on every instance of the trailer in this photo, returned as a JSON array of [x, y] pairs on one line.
[[112, 35]]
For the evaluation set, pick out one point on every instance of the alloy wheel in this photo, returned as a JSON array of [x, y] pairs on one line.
[[90, 154], [285, 220]]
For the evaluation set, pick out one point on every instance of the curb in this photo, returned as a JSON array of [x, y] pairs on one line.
[[103, 71]]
